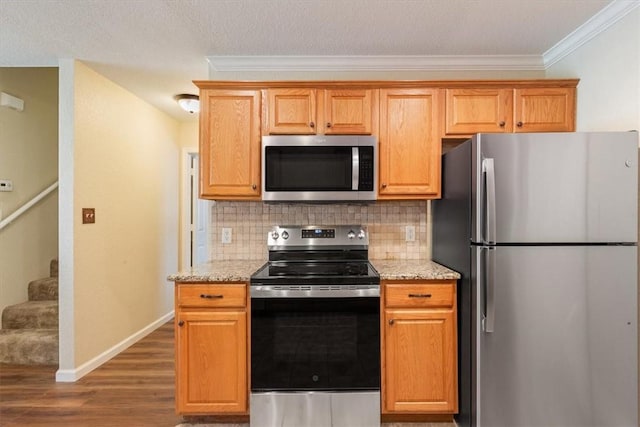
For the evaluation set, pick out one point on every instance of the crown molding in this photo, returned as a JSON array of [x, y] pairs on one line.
[[375, 63], [598, 23]]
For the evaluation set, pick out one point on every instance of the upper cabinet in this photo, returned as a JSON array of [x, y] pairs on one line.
[[409, 144], [544, 110], [309, 111], [411, 119], [527, 109], [230, 144]]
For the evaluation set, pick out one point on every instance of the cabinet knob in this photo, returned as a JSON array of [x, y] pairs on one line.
[[519, 124], [181, 323], [312, 125], [384, 185], [502, 123], [391, 321], [328, 124], [254, 186]]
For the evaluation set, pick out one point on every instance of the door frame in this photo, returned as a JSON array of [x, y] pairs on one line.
[[188, 212]]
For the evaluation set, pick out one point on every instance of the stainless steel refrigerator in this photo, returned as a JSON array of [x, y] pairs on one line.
[[543, 229]]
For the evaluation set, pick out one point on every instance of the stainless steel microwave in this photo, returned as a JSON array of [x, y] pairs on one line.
[[319, 168]]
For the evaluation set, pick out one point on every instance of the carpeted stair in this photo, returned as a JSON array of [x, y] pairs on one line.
[[29, 334]]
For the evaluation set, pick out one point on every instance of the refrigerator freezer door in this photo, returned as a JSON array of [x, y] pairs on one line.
[[556, 187], [563, 348]]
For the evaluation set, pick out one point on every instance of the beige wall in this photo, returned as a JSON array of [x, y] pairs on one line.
[[28, 157], [125, 157], [609, 70]]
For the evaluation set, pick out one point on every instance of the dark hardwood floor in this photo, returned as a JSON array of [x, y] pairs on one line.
[[136, 388]]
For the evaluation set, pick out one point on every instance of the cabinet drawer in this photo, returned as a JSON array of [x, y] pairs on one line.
[[419, 295], [212, 295]]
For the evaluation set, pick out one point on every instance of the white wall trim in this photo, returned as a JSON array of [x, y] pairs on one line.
[[66, 259], [598, 23], [185, 208], [375, 63], [72, 375]]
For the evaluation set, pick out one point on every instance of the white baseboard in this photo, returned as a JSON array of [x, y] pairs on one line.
[[73, 375]]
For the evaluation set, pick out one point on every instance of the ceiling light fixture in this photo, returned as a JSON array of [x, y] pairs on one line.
[[189, 103]]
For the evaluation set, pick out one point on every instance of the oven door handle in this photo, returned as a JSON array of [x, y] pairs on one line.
[[264, 291]]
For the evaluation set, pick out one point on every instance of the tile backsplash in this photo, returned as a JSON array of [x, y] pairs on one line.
[[386, 221]]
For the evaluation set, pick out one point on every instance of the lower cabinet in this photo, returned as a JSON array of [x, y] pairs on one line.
[[419, 347], [211, 349]]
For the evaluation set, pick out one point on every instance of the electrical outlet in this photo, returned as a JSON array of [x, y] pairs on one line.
[[226, 235], [410, 233]]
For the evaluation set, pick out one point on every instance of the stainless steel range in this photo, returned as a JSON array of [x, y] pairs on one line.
[[315, 330]]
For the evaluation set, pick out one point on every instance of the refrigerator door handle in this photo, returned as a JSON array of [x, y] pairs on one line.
[[488, 321], [490, 200]]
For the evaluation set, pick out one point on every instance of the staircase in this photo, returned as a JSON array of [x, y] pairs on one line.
[[29, 334]]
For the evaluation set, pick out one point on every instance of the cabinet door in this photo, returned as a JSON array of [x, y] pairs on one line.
[[292, 111], [211, 362], [348, 111], [545, 110], [230, 144], [470, 111], [420, 361], [409, 144]]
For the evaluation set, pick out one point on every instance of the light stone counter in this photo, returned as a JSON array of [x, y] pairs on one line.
[[412, 270], [241, 271], [219, 271]]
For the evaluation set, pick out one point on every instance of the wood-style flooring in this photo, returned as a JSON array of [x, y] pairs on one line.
[[134, 389]]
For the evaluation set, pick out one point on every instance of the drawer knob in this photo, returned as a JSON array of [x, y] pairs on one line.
[[391, 321], [209, 296], [181, 323], [419, 295]]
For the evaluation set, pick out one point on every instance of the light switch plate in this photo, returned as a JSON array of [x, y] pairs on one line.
[[88, 215]]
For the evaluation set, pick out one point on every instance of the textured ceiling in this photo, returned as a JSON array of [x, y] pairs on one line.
[[155, 48]]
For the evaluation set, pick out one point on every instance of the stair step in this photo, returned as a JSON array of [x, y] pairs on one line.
[[45, 289], [31, 315], [29, 346], [53, 268]]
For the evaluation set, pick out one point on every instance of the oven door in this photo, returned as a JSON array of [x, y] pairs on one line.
[[315, 344]]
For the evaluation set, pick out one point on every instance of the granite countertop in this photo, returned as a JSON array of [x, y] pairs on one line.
[[241, 271], [412, 270], [219, 271]]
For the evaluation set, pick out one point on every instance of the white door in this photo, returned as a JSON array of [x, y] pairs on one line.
[[200, 217]]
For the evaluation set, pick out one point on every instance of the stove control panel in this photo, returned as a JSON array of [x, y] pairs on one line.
[[319, 233], [312, 236]]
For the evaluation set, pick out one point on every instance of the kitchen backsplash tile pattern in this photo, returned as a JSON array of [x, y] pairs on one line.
[[386, 222]]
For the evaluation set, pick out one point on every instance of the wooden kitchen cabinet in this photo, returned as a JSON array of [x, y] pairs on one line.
[[419, 347], [409, 144], [211, 349], [531, 109], [308, 111], [230, 144]]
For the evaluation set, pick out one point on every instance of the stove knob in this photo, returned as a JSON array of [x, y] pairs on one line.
[[351, 234], [285, 235], [361, 234], [274, 235]]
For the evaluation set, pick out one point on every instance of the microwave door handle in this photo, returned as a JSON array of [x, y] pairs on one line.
[[355, 168]]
